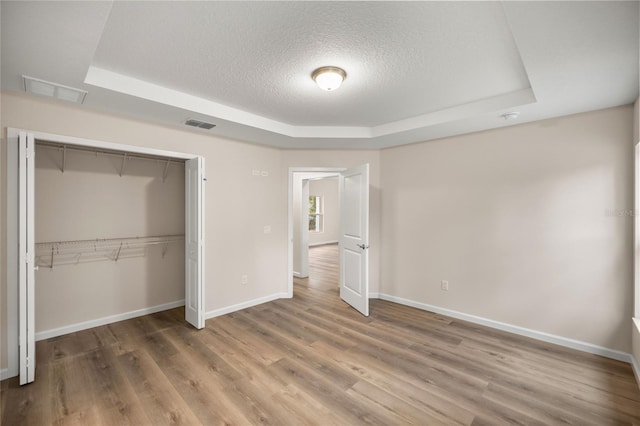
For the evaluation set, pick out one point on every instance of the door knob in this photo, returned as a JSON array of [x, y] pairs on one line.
[[363, 247]]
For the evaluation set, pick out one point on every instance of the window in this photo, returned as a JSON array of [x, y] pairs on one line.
[[316, 219]]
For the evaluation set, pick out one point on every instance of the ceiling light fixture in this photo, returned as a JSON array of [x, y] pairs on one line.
[[329, 78]]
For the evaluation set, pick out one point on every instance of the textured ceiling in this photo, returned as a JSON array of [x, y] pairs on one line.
[[402, 61], [416, 70]]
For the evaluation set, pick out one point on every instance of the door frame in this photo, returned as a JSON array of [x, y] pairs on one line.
[[12, 218], [296, 177]]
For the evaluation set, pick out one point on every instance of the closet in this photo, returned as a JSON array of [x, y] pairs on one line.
[[97, 232], [109, 236]]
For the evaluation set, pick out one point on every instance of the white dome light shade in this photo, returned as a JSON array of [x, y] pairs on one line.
[[329, 78]]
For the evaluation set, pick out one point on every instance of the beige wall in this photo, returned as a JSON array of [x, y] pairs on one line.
[[328, 190], [235, 241], [91, 201], [516, 220]]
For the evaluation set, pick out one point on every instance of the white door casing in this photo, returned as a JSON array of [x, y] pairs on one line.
[[20, 302], [354, 237], [26, 260], [194, 241], [303, 271]]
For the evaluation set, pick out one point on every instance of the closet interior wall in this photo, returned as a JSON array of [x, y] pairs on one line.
[[84, 197]]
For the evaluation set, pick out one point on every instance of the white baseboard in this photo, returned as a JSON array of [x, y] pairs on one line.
[[298, 275], [47, 334], [4, 374], [324, 243], [244, 305], [538, 335]]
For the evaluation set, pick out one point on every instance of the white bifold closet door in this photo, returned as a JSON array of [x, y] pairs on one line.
[[26, 258], [194, 241], [25, 277], [354, 237]]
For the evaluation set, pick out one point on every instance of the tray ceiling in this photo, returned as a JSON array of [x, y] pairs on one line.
[[415, 70]]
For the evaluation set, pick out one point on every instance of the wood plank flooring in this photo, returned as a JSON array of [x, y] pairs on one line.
[[315, 360]]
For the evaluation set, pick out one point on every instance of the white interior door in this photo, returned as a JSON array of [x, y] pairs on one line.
[[26, 263], [194, 241], [354, 237]]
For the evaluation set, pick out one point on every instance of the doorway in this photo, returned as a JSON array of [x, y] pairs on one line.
[[353, 239], [320, 220], [21, 230], [305, 232]]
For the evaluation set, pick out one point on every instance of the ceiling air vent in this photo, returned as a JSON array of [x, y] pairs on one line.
[[53, 90], [200, 124]]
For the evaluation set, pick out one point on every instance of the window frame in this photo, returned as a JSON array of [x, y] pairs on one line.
[[319, 214]]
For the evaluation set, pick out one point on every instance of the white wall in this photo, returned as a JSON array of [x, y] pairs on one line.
[[517, 220], [235, 241], [327, 189], [91, 201]]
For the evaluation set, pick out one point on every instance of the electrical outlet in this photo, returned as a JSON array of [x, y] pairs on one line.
[[267, 229], [444, 285], [255, 172], [245, 279]]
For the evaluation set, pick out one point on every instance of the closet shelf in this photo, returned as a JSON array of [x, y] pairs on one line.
[[123, 157], [50, 254]]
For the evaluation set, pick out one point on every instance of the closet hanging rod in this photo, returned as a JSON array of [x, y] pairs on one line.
[[107, 243], [118, 154]]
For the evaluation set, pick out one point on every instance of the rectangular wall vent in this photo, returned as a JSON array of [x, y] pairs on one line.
[[200, 124], [53, 90]]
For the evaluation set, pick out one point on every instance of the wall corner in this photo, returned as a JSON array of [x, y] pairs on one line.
[[635, 349]]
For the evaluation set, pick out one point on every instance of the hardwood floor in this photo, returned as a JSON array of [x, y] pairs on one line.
[[314, 360]]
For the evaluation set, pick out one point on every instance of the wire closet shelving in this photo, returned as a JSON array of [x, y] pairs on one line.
[[56, 253]]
